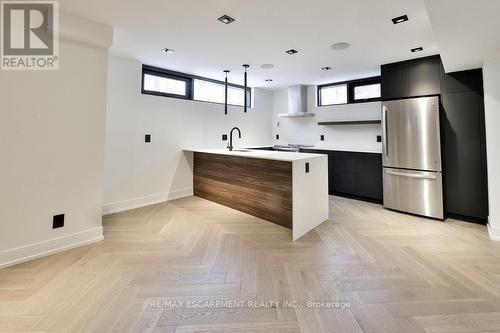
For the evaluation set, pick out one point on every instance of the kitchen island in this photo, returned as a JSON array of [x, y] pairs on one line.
[[286, 188]]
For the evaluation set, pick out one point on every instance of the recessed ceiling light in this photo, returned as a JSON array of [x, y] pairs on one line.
[[168, 51], [266, 66], [417, 49], [292, 51], [226, 19], [326, 68], [400, 19], [268, 80], [339, 46]]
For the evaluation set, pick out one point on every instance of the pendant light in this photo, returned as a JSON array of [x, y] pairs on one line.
[[225, 92], [245, 105]]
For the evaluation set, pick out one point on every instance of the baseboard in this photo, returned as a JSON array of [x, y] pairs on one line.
[[179, 194], [494, 232], [125, 205], [463, 218], [51, 246], [355, 197]]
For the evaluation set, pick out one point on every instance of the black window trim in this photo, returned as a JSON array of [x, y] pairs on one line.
[[350, 90], [169, 75], [189, 79]]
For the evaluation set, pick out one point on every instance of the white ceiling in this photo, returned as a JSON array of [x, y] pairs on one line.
[[468, 32], [263, 30]]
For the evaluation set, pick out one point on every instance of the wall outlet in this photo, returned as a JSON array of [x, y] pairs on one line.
[[224, 137], [322, 137], [58, 221], [379, 138], [277, 136], [147, 138]]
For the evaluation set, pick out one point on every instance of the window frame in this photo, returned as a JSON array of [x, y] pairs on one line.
[[249, 91], [168, 75], [333, 85], [360, 83], [350, 90], [189, 79]]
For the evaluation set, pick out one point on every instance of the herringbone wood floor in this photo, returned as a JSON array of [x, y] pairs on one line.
[[400, 274]]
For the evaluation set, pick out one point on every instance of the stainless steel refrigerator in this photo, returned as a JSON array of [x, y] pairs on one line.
[[411, 159]]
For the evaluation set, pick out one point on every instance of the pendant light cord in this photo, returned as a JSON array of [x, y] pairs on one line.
[[245, 105], [225, 92]]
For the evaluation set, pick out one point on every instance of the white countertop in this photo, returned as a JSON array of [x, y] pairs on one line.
[[264, 154], [333, 148]]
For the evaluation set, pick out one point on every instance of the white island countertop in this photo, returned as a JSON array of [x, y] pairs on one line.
[[255, 153], [292, 191]]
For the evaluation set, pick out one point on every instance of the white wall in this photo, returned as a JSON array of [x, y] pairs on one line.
[[139, 173], [491, 73], [52, 152], [306, 130]]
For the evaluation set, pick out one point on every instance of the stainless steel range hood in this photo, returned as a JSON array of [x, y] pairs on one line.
[[297, 102]]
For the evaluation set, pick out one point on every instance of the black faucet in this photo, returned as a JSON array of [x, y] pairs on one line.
[[230, 146]]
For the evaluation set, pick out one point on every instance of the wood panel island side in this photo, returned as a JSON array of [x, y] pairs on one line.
[[289, 189]]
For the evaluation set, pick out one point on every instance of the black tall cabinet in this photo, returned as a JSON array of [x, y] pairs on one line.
[[463, 137], [465, 144]]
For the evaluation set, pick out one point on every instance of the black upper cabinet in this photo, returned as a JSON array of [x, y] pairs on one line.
[[413, 78], [423, 77], [394, 81], [471, 80]]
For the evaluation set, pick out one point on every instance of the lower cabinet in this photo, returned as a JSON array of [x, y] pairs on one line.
[[354, 174], [369, 183], [357, 174], [343, 168]]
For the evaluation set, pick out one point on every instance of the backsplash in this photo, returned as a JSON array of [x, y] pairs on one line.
[[345, 137]]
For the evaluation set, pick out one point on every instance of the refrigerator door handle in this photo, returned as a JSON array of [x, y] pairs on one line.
[[386, 142], [411, 175]]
